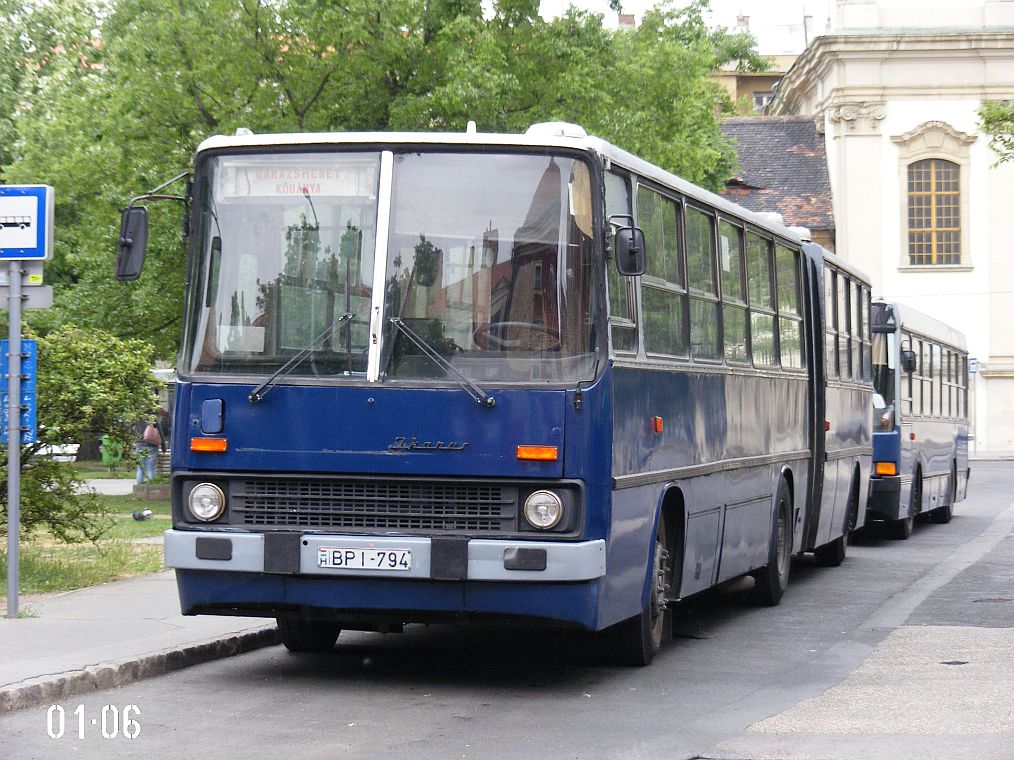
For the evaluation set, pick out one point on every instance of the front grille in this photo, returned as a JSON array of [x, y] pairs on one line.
[[374, 504]]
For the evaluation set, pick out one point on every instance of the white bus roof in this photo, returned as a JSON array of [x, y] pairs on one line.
[[924, 324], [550, 135]]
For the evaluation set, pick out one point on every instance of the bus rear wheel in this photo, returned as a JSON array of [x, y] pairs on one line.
[[299, 635], [636, 641], [942, 515], [771, 580]]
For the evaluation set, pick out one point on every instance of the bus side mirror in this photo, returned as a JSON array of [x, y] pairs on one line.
[[908, 361], [629, 247], [133, 242]]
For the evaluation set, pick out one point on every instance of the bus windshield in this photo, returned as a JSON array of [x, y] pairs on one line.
[[287, 249], [488, 263], [884, 365]]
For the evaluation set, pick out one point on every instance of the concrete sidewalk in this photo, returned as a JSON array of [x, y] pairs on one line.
[[109, 635]]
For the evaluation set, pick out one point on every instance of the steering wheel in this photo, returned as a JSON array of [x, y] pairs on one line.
[[530, 337]]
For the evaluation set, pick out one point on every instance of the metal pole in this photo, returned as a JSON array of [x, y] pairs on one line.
[[14, 439]]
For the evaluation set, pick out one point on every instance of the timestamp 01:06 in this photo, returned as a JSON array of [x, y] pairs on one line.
[[111, 722]]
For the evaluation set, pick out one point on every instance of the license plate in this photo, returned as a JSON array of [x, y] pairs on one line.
[[364, 559]]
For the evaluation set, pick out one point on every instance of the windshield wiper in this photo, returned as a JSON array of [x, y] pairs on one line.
[[258, 393], [478, 394]]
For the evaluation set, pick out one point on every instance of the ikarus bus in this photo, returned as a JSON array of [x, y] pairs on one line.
[[490, 377]]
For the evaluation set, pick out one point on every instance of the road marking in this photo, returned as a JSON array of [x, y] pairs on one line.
[[895, 611]]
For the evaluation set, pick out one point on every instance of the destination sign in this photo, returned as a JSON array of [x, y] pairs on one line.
[[272, 179]]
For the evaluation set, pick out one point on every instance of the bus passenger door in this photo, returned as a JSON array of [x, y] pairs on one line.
[[813, 269]]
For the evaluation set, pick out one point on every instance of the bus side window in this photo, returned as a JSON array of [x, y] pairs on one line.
[[844, 328], [734, 314], [953, 390], [907, 382], [856, 296], [622, 316], [945, 382], [662, 293], [917, 380], [790, 320], [703, 285], [964, 386], [864, 305], [938, 389], [830, 323], [762, 302]]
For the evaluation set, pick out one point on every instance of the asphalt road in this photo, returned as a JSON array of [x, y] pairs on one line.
[[905, 651]]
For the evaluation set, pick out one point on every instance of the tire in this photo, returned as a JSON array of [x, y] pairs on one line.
[[942, 515], [299, 635], [833, 554], [771, 580], [636, 641], [901, 529]]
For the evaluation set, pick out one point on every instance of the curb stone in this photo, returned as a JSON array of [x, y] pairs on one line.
[[51, 689]]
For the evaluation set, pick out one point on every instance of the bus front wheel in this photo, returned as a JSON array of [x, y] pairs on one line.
[[942, 515], [300, 635], [900, 530], [636, 641]]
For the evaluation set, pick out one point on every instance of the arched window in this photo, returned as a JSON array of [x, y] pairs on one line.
[[934, 212]]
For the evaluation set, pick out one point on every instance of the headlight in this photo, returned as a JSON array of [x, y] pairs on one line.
[[543, 510], [206, 502]]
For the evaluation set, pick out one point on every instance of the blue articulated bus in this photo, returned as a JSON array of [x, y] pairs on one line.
[[473, 377], [920, 439]]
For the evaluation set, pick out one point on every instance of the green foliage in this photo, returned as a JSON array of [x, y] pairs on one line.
[[997, 119], [105, 100], [88, 383], [51, 498], [92, 383]]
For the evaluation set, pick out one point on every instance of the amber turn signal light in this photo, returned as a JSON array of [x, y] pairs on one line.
[[887, 468], [538, 453], [214, 445], [657, 425]]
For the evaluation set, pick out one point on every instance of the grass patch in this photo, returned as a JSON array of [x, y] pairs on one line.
[[126, 528], [105, 474], [89, 470], [125, 505], [123, 527], [64, 567], [49, 565]]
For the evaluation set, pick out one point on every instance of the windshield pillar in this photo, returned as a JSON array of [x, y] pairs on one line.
[[380, 265]]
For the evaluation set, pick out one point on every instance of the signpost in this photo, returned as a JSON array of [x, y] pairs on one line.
[[26, 235]]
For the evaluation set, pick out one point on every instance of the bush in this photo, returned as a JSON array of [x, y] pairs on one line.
[[89, 383]]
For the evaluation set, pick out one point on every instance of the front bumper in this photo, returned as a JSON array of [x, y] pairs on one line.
[[450, 558]]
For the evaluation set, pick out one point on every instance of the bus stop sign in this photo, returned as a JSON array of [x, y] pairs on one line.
[[26, 222]]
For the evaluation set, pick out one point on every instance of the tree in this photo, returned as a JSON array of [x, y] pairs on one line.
[[997, 119], [89, 383], [111, 98]]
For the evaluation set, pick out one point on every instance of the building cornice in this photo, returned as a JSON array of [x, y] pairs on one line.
[[997, 369], [827, 50]]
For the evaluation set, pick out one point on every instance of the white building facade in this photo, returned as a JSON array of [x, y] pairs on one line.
[[920, 203]]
